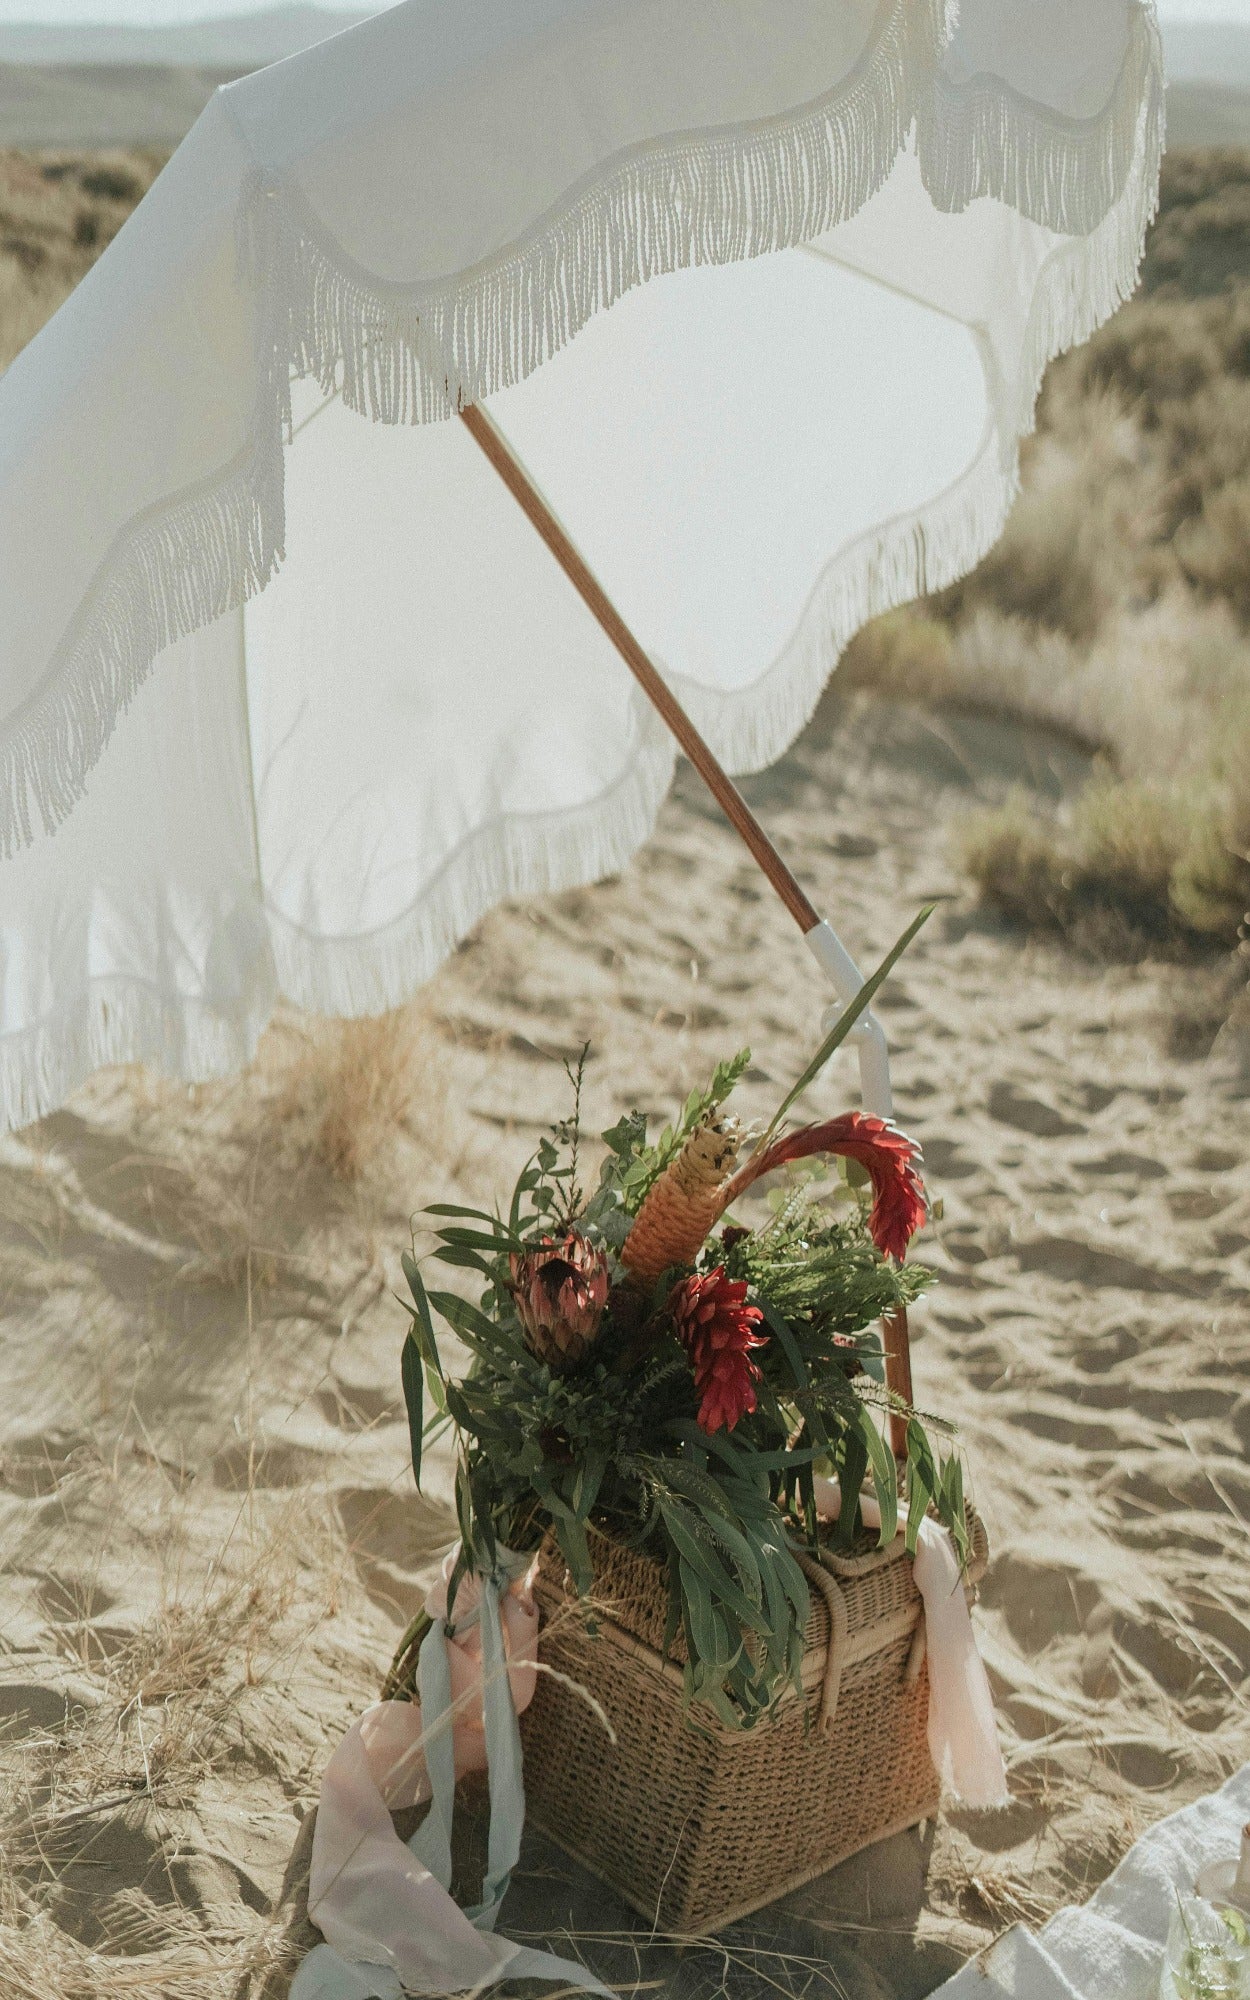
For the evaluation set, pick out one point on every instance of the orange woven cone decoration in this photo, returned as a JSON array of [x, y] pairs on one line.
[[685, 1202]]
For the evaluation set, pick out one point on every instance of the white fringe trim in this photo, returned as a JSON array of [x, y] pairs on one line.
[[403, 356], [1078, 288], [168, 574], [522, 856], [981, 138], [114, 1021], [905, 558], [417, 353]]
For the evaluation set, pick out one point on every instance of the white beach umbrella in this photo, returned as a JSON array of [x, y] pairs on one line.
[[290, 690]]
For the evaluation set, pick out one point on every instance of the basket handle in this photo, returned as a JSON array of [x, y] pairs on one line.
[[831, 1687], [898, 1375]]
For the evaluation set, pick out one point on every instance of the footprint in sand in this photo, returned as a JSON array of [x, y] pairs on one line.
[[266, 1465], [36, 1466], [1010, 1105], [1039, 1601], [1133, 1167], [71, 1600], [1075, 1263], [26, 1708], [945, 1159], [394, 1541]]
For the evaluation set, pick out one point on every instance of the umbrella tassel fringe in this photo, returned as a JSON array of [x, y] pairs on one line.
[[403, 354]]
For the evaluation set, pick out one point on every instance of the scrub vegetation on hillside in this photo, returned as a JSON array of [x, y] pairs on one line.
[[58, 211], [1117, 605]]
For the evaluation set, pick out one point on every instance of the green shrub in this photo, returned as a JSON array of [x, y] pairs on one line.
[[1163, 864]]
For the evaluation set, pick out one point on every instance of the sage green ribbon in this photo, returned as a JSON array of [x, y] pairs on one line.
[[324, 1974]]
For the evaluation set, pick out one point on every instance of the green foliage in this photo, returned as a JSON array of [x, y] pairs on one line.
[[818, 1268], [633, 1165], [738, 1579], [615, 1440]]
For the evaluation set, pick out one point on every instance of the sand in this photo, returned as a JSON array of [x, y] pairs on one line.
[[210, 1535]]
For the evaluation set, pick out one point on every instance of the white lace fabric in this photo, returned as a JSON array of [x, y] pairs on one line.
[[761, 292]]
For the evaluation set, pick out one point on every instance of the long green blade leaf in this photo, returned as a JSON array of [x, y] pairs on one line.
[[423, 1325], [414, 1399], [884, 1476], [473, 1327], [849, 1016]]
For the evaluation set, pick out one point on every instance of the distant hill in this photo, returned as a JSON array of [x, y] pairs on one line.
[[1208, 114], [138, 86], [235, 43]]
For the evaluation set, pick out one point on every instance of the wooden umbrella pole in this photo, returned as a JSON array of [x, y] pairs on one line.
[[717, 780], [897, 1343], [596, 600]]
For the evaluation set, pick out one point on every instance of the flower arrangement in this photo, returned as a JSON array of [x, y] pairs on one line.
[[644, 1363]]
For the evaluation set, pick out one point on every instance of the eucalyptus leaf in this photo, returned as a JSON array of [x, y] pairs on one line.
[[463, 1259], [468, 1321], [716, 1576], [854, 1466]]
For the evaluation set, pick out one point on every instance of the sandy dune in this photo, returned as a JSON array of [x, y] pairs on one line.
[[210, 1538]]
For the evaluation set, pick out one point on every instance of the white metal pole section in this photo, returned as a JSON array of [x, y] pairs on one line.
[[868, 1035]]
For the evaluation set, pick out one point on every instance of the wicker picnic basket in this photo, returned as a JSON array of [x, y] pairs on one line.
[[695, 1824]]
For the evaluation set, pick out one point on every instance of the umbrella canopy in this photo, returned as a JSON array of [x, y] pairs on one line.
[[290, 692]]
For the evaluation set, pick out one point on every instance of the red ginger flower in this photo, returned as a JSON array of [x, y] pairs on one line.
[[717, 1328], [890, 1157]]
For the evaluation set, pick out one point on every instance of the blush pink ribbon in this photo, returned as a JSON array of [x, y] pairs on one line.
[[383, 1907], [963, 1732]]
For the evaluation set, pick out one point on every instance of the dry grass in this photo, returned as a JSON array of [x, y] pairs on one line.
[[58, 211], [1117, 605], [1129, 866], [107, 1843], [350, 1089], [194, 1607]]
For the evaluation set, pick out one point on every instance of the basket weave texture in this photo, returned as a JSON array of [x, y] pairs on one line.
[[694, 1824]]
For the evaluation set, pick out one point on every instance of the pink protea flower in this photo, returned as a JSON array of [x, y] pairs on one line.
[[561, 1290], [718, 1330]]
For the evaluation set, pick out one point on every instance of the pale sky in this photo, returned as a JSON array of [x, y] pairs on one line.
[[1204, 10], [150, 13]]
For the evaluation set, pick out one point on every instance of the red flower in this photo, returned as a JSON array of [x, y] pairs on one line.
[[717, 1328], [890, 1157]]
